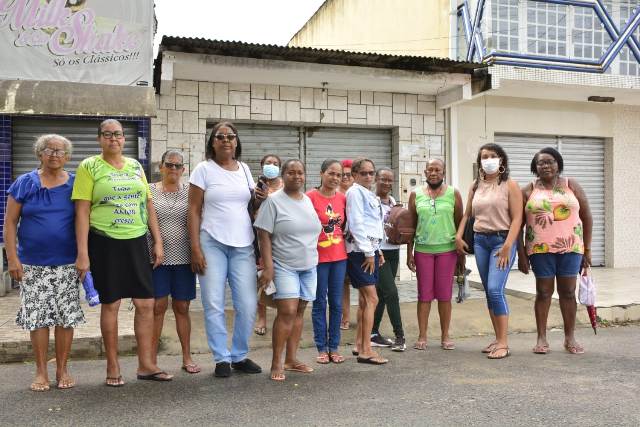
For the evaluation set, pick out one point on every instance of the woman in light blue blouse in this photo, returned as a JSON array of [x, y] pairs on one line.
[[364, 224], [40, 215]]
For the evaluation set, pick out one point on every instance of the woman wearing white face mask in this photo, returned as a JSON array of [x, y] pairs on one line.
[[495, 201], [272, 182]]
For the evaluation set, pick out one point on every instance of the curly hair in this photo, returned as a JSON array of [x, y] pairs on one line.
[[503, 176]]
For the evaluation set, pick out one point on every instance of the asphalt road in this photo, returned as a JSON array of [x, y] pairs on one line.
[[436, 387]]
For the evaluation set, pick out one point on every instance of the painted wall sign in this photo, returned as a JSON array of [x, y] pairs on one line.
[[88, 41]]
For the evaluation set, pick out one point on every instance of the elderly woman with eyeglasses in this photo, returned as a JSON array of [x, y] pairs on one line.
[[222, 252], [39, 237], [114, 210], [174, 277]]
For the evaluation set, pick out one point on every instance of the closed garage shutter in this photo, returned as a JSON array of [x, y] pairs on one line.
[[342, 143], [258, 140], [583, 160], [81, 133]]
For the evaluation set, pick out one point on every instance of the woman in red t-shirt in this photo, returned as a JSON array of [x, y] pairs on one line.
[[329, 204]]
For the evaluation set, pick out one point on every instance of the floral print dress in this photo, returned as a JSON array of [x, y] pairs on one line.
[[553, 220]]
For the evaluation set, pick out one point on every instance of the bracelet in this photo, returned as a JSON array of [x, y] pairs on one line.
[[587, 249]]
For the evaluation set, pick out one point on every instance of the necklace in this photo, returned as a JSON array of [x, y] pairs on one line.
[[432, 201], [176, 195]]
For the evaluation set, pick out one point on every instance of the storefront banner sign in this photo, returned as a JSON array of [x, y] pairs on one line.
[[87, 41]]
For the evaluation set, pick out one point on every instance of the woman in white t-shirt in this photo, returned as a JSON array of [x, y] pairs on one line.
[[221, 237]]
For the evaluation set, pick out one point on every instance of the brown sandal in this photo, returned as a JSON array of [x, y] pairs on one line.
[[336, 358]]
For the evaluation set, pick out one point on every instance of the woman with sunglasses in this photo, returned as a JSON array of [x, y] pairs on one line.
[[364, 224], [114, 211], [39, 238], [174, 276], [221, 234]]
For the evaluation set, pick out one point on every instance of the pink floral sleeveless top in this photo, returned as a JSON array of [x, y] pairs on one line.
[[553, 220]]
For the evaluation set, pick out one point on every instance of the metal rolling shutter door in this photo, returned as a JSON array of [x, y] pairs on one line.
[[520, 150], [583, 160], [81, 133], [258, 140], [343, 143]]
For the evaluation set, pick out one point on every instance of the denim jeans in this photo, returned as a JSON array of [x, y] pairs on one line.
[[238, 266], [493, 279], [330, 285]]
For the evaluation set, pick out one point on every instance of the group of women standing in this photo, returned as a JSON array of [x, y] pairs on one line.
[[146, 242]]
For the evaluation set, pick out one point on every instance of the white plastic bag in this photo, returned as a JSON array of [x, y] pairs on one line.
[[587, 290]]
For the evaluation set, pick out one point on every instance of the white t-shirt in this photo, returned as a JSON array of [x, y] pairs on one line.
[[226, 196]]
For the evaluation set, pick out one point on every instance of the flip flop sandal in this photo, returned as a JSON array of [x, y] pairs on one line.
[[65, 384], [541, 349], [420, 345], [344, 326], [355, 352], [507, 354], [156, 376], [447, 345], [489, 348], [191, 368], [39, 387], [260, 331], [323, 359], [118, 381], [299, 367], [374, 360], [336, 358], [278, 377], [574, 349]]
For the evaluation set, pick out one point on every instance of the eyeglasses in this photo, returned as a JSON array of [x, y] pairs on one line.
[[367, 173], [170, 165], [54, 153], [117, 134], [543, 163], [346, 175], [222, 136]]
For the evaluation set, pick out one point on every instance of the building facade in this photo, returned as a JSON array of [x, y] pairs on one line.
[[564, 73], [305, 103]]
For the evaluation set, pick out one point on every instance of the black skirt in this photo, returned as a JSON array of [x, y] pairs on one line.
[[120, 267]]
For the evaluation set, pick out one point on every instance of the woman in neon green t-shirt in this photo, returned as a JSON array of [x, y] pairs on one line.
[[113, 212]]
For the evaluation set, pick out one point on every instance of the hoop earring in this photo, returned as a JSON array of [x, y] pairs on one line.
[[501, 170]]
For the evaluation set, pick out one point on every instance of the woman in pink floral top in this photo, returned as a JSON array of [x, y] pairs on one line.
[[557, 242]]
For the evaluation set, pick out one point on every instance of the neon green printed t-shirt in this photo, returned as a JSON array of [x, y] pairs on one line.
[[118, 196]]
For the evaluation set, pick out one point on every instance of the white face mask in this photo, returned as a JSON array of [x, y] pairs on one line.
[[270, 171], [490, 166]]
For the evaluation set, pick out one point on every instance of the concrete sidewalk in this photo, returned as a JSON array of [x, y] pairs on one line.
[[469, 318]]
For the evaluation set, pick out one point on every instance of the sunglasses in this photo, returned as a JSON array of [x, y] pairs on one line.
[[170, 165], [346, 175], [222, 136], [367, 173]]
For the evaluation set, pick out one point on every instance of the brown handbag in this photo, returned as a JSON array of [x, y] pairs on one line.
[[399, 227]]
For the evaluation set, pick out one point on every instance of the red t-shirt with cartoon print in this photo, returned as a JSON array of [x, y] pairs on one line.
[[331, 211]]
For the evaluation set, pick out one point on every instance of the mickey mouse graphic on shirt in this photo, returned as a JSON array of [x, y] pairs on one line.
[[329, 228]]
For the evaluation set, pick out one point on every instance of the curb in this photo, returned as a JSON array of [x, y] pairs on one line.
[[82, 348]]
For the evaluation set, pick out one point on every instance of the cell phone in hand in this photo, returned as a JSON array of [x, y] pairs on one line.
[[262, 183]]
